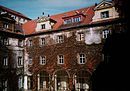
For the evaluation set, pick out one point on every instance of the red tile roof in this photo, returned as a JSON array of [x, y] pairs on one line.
[[13, 12], [29, 27]]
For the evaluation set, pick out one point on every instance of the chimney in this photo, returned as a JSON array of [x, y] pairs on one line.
[[95, 4], [48, 15], [42, 13]]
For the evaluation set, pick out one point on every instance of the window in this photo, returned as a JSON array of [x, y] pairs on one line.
[[42, 60], [43, 26], [5, 25], [5, 61], [80, 36], [30, 61], [105, 33], [5, 85], [81, 59], [20, 61], [30, 82], [68, 21], [30, 43], [42, 41], [60, 59], [76, 19], [105, 14], [20, 43], [72, 20], [60, 39], [20, 82], [5, 41]]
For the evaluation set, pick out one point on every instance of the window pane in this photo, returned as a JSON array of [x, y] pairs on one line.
[[81, 58], [105, 14], [60, 59], [43, 60]]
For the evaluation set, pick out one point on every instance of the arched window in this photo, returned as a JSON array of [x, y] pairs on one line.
[[82, 81], [61, 81], [44, 81]]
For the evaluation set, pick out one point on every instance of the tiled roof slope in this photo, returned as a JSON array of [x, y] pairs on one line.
[[29, 27], [13, 12]]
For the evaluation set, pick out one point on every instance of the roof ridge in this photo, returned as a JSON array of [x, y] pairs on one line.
[[13, 11], [73, 10]]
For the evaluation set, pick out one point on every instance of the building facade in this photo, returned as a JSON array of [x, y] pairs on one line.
[[64, 50], [61, 52], [11, 50]]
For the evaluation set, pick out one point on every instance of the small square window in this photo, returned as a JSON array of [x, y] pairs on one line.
[[43, 26], [60, 39], [5, 41], [60, 59], [80, 37], [105, 14]]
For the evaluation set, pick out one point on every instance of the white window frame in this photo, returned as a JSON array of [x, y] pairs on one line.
[[20, 61], [30, 42], [43, 26], [60, 38], [5, 61], [42, 41], [81, 58], [80, 37], [68, 21], [77, 19], [20, 42], [106, 33], [5, 40], [42, 60], [104, 14], [60, 59]]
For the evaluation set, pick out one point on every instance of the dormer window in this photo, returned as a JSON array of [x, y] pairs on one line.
[[105, 14], [43, 26], [44, 22], [76, 19], [67, 21], [72, 19]]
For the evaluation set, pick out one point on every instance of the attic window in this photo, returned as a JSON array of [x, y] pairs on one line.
[[105, 14], [43, 26], [72, 20]]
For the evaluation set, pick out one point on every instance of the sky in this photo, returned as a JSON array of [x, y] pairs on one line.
[[35, 8]]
